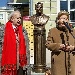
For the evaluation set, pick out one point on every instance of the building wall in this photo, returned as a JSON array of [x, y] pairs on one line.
[[4, 15], [20, 1]]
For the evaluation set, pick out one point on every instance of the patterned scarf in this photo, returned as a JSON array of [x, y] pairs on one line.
[[9, 49]]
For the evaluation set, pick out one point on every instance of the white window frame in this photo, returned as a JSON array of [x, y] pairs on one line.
[[1, 16], [70, 9], [58, 7]]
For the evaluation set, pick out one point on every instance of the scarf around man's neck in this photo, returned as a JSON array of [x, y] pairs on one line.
[[9, 49]]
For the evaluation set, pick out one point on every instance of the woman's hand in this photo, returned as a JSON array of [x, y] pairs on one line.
[[66, 47], [69, 48], [62, 46]]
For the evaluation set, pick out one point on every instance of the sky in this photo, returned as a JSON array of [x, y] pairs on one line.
[[3, 3]]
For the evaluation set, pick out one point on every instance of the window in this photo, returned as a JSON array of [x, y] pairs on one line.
[[64, 5], [72, 4], [68, 5], [1, 16], [72, 16], [72, 11]]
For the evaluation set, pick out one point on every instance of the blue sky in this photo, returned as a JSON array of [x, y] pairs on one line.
[[3, 3]]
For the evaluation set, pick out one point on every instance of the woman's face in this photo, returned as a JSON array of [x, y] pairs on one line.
[[62, 19]]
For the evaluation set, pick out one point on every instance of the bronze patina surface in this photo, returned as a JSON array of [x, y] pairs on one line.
[[39, 20]]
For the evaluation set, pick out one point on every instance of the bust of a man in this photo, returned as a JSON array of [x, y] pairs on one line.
[[39, 18]]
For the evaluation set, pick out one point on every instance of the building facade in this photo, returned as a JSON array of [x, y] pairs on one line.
[[4, 13], [50, 8]]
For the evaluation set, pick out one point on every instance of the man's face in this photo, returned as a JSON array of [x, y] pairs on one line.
[[39, 8], [16, 19]]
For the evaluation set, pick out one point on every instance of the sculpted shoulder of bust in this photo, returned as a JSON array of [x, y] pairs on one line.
[[42, 20], [39, 18]]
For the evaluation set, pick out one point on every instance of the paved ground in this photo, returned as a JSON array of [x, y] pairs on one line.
[[37, 73]]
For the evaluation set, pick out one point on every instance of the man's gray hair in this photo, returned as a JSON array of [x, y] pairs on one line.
[[13, 13]]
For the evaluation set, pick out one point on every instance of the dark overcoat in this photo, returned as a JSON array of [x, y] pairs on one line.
[[59, 58]]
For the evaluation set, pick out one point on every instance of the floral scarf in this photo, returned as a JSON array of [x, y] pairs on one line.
[[9, 51]]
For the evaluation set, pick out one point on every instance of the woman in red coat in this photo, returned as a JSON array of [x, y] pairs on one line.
[[14, 47]]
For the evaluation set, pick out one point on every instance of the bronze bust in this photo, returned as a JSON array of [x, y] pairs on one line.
[[39, 18]]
